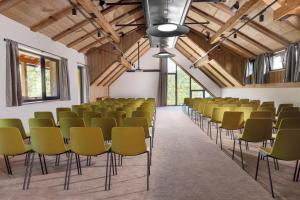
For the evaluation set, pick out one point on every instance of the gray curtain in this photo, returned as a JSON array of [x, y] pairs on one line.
[[292, 63], [13, 79], [87, 84], [248, 68], [163, 83], [64, 80], [261, 68]]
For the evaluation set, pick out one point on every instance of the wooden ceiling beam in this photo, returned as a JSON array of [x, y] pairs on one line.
[[70, 30], [100, 19], [115, 67], [289, 7], [254, 25], [220, 23], [125, 63], [234, 20], [115, 77], [7, 4]]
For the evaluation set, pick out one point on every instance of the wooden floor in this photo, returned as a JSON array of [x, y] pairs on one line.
[[186, 165]]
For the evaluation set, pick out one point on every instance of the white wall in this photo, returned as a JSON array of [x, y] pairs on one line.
[[279, 95], [138, 84], [15, 31], [196, 73]]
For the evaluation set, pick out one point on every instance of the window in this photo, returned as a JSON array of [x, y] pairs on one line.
[[80, 84], [181, 85], [39, 76], [249, 70], [277, 61]]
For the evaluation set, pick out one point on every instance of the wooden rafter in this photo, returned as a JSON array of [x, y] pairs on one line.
[[100, 19], [255, 26], [115, 77], [220, 23], [7, 4], [245, 9], [289, 7], [116, 67]]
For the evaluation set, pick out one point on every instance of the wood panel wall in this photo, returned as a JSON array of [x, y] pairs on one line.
[[276, 76], [99, 59], [233, 63]]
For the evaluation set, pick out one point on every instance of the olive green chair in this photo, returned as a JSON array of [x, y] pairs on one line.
[[106, 124], [288, 114], [118, 115], [46, 141], [12, 144], [216, 118], [261, 114], [61, 109], [80, 110], [281, 106], [41, 122], [17, 123], [88, 115], [129, 141], [256, 130], [68, 114], [231, 121], [86, 141], [67, 123], [44, 115], [285, 147], [289, 123]]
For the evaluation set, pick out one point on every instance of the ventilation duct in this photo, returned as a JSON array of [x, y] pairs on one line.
[[171, 14]]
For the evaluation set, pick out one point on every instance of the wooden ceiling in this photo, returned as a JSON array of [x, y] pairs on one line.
[[54, 19]]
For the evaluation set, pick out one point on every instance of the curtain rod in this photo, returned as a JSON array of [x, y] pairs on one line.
[[6, 39]]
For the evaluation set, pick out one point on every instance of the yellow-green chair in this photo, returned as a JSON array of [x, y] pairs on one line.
[[129, 141], [88, 115], [12, 144], [289, 123], [61, 109], [104, 111], [118, 115], [285, 147], [231, 121], [288, 114], [261, 114], [67, 123], [80, 110], [281, 106], [106, 124], [217, 117], [67, 114], [86, 141], [41, 122], [44, 115], [256, 130], [46, 141], [17, 123]]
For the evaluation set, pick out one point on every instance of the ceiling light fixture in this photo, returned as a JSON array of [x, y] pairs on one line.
[[163, 54], [235, 6], [167, 27], [98, 33], [74, 10], [234, 35], [103, 4], [261, 18]]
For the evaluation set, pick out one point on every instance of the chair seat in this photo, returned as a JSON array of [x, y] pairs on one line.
[[265, 150]]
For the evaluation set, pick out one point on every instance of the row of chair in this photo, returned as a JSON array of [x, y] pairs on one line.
[[256, 123]]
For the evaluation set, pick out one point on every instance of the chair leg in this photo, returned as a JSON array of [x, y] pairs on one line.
[[298, 173], [257, 165], [69, 172], [30, 171], [106, 170], [221, 138], [77, 164], [115, 162], [112, 163], [26, 159], [42, 165], [110, 166], [217, 135], [148, 169], [150, 151], [242, 159], [233, 149], [7, 165], [45, 166], [270, 178], [295, 172], [26, 170]]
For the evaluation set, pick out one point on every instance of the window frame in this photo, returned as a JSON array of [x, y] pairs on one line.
[[43, 77]]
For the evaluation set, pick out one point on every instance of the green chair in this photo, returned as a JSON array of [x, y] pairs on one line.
[[285, 147], [17, 123], [216, 118], [129, 141], [61, 109], [281, 106], [261, 114], [118, 115], [256, 130], [86, 141], [67, 123], [41, 122], [80, 110], [46, 142], [88, 115], [106, 124], [289, 123], [12, 144], [44, 115], [68, 114], [288, 114], [231, 121]]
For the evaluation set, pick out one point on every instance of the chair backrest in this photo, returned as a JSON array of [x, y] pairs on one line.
[[17, 123], [87, 141], [289, 123], [41, 122], [44, 115], [289, 109], [286, 145], [106, 124], [88, 115], [11, 142], [118, 115], [47, 140], [209, 108], [67, 114], [137, 122], [104, 110], [288, 114], [218, 112], [258, 130], [62, 109], [80, 110], [233, 120], [286, 105], [67, 123], [246, 110], [128, 141], [261, 114], [142, 113]]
